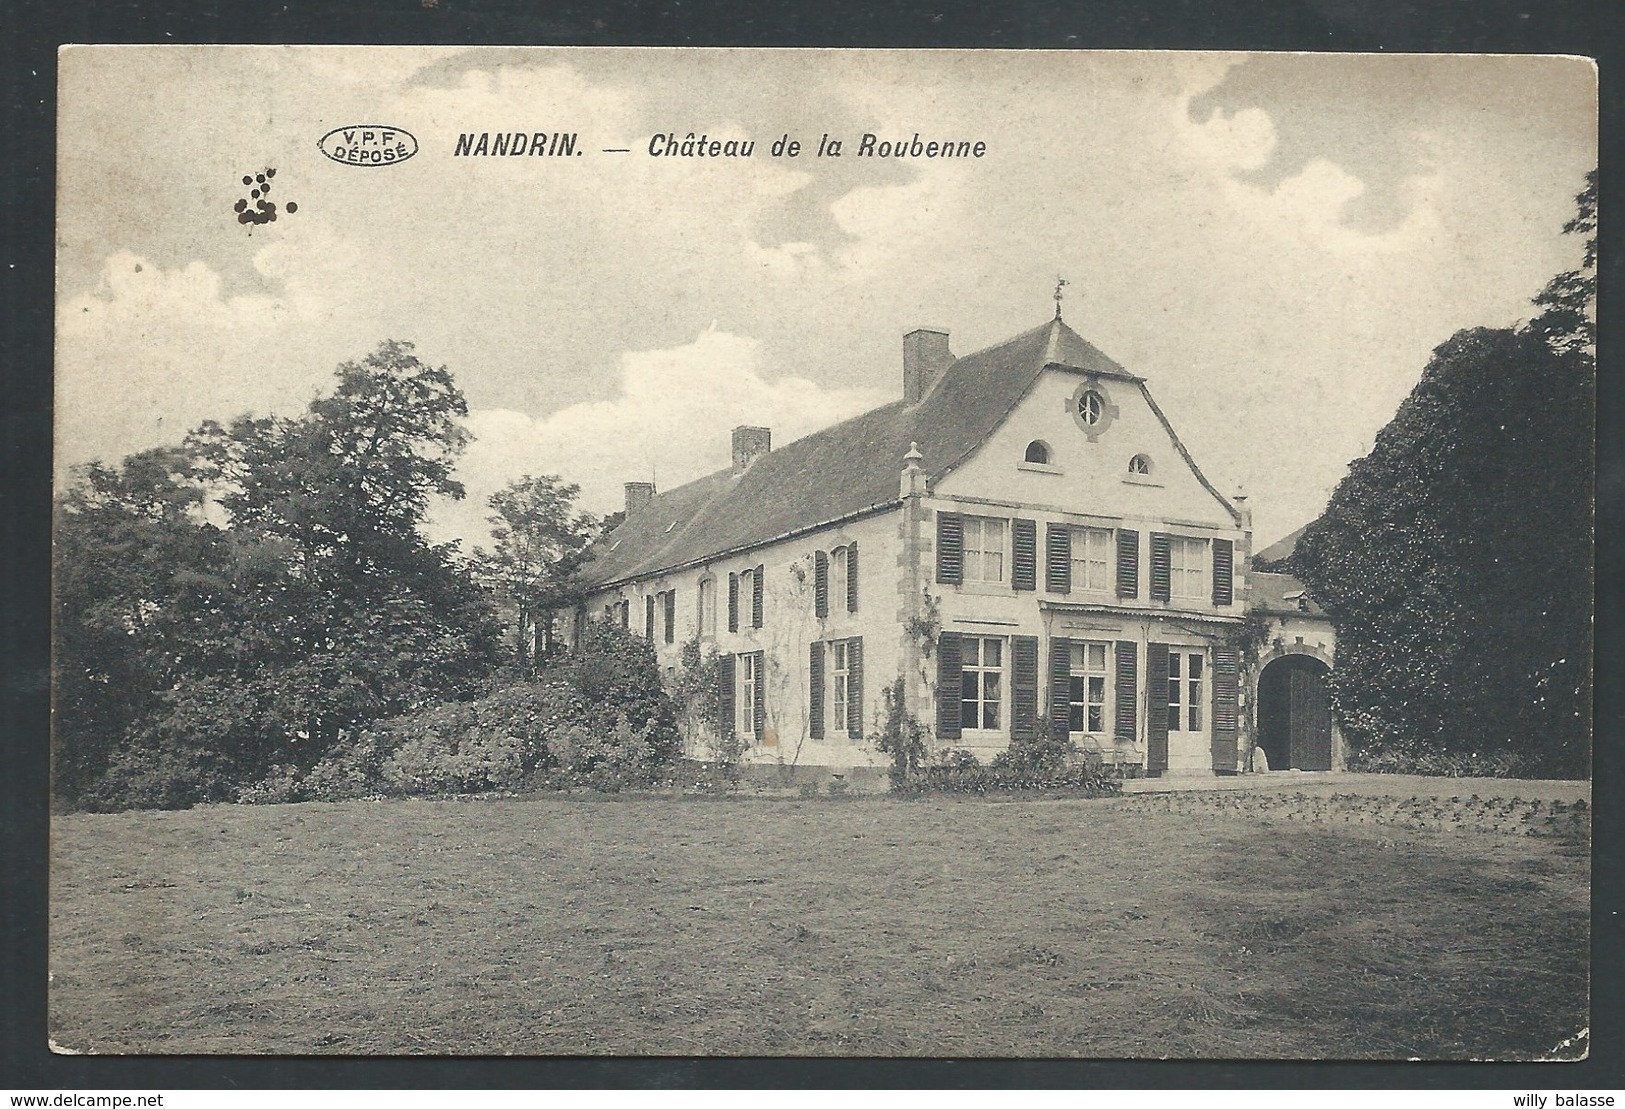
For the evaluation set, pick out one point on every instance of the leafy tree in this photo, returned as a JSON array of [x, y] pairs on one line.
[[313, 607], [538, 539], [618, 677], [1455, 560]]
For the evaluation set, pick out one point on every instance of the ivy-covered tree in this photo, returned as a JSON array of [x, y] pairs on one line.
[[1455, 560], [537, 541], [274, 577]]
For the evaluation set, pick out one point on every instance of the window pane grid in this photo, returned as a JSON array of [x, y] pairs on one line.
[[1087, 688], [984, 549], [981, 684]]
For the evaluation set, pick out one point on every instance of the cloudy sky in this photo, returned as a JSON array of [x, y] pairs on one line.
[[1276, 242]]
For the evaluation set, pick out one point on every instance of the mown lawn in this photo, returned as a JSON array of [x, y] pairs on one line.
[[858, 926]]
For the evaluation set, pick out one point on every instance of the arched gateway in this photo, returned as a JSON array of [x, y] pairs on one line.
[[1294, 713]]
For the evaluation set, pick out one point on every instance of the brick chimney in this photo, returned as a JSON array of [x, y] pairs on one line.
[[638, 494], [925, 356], [750, 443]]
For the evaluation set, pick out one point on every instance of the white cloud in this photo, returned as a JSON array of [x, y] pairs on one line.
[[670, 421]]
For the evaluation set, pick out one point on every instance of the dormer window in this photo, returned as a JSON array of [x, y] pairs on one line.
[[1037, 452], [1140, 465]]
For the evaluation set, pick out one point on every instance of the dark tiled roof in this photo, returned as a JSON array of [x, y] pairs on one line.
[[1277, 593], [843, 470], [1282, 548]]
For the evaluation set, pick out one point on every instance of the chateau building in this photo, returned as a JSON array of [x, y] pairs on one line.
[[1021, 544]]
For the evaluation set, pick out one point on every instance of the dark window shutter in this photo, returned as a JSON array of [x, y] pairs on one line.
[[733, 602], [950, 549], [671, 616], [1128, 563], [820, 584], [1161, 567], [1024, 687], [1224, 565], [854, 688], [759, 710], [1226, 679], [1060, 686], [1156, 706], [1023, 554], [852, 576], [1128, 693], [1058, 558], [949, 673], [649, 617], [815, 679], [725, 696], [756, 596]]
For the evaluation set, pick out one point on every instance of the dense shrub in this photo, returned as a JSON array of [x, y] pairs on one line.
[[618, 677], [1416, 758], [1037, 766]]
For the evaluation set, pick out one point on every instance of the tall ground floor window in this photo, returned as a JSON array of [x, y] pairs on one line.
[[840, 674], [981, 683], [1184, 691], [746, 680], [1087, 695]]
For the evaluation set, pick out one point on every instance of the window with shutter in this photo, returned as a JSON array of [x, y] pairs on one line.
[[706, 597], [1226, 680], [1156, 697], [759, 715], [820, 584], [1128, 563], [1024, 554], [671, 616], [1086, 695], [1058, 558], [854, 689], [747, 692], [1091, 560], [756, 596], [1188, 569], [985, 546], [981, 684], [815, 681], [1127, 689], [725, 696], [852, 576], [1060, 666], [1024, 687], [1161, 568], [950, 548], [949, 677], [649, 617], [733, 602], [1224, 559], [840, 684]]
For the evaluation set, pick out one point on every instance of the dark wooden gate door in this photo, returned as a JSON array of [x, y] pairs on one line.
[[1311, 717]]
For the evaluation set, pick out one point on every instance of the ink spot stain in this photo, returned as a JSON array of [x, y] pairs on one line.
[[138, 267], [255, 210]]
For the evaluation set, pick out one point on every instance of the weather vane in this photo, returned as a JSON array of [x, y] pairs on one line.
[[1060, 283]]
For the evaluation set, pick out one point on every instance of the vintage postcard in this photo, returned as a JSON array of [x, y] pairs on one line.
[[570, 551]]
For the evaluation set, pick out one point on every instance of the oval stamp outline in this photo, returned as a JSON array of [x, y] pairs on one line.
[[386, 156]]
